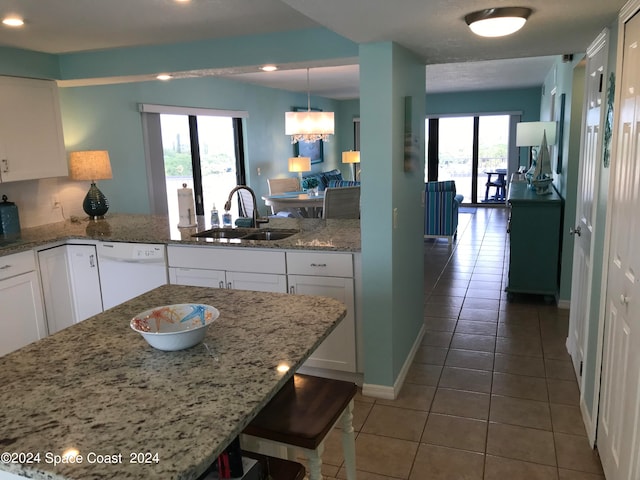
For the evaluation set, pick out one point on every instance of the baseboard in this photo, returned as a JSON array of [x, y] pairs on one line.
[[588, 422], [564, 304], [386, 392]]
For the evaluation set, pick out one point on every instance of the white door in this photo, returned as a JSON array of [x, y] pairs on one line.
[[85, 281], [619, 416], [338, 351], [22, 318], [588, 181], [197, 277]]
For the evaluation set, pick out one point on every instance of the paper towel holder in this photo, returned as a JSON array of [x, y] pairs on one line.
[[92, 165]]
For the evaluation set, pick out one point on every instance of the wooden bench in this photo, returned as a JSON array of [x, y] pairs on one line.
[[302, 414]]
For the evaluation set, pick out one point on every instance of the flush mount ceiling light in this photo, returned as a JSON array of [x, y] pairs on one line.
[[13, 21], [497, 22], [269, 68], [164, 77], [308, 126]]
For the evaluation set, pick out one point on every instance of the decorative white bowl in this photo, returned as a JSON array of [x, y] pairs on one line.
[[175, 327]]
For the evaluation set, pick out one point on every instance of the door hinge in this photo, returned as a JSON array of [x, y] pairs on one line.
[[601, 81], [581, 367]]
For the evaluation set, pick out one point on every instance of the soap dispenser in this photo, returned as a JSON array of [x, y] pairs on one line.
[[215, 217]]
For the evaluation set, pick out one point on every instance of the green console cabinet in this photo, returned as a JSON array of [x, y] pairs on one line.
[[534, 236]]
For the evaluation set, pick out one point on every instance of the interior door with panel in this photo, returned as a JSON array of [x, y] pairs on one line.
[[588, 182], [619, 416]]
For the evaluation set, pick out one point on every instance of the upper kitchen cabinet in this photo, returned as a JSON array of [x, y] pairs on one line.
[[31, 140]]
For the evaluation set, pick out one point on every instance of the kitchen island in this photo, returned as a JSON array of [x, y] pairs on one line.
[[133, 412]]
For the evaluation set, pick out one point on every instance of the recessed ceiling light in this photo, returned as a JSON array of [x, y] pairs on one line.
[[164, 77], [269, 68], [13, 21], [497, 22]]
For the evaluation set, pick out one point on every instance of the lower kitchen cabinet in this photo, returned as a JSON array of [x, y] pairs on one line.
[[21, 316], [328, 275], [70, 284], [243, 269], [259, 282]]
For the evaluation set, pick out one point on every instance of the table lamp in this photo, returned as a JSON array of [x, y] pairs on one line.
[[91, 165], [529, 134], [300, 164], [352, 157]]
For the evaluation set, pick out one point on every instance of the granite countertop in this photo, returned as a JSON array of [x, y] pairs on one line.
[[314, 234], [99, 387]]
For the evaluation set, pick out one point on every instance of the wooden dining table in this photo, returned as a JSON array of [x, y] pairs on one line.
[[300, 204]]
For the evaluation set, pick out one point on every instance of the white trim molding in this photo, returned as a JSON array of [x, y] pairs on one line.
[[391, 392], [176, 110]]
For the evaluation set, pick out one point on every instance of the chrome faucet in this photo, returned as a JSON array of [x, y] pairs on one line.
[[255, 220]]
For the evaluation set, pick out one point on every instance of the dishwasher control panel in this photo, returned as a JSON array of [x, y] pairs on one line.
[[131, 252]]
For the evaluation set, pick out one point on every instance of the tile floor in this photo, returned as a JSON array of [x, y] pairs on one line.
[[491, 393]]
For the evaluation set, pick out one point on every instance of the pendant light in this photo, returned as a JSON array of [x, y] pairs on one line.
[[308, 126]]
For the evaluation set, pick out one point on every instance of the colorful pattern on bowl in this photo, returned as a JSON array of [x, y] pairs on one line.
[[174, 318]]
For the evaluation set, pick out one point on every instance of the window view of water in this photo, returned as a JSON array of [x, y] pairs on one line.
[[217, 161], [455, 153]]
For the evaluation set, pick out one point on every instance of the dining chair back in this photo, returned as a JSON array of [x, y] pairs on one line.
[[282, 185], [246, 204], [341, 202]]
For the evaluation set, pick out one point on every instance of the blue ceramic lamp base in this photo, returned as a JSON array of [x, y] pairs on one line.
[[95, 203]]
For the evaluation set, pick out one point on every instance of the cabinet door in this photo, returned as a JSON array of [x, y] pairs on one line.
[[338, 351], [85, 281], [31, 139], [197, 277], [258, 282], [22, 315], [70, 284]]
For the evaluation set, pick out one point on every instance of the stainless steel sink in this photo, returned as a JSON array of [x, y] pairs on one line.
[[224, 233], [246, 233], [264, 234]]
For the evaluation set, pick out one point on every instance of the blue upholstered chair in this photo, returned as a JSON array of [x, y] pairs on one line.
[[441, 210]]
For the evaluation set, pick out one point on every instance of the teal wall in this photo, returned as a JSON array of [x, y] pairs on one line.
[[524, 100], [252, 50], [26, 63], [392, 256], [107, 117], [563, 78]]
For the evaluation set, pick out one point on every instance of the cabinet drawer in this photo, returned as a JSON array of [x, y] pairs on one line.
[[238, 260], [321, 264], [12, 265]]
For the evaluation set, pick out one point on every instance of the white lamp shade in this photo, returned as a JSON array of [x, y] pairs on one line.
[[530, 133], [300, 164], [90, 165], [351, 157], [308, 123]]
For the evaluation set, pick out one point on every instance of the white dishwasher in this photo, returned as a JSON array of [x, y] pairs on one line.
[[129, 269]]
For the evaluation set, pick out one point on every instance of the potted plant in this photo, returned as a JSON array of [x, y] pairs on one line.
[[310, 185]]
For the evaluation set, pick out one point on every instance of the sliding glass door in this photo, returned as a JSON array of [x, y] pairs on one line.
[[472, 151]]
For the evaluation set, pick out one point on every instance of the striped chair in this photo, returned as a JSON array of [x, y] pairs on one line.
[[441, 210]]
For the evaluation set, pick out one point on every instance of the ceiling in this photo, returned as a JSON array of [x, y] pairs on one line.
[[435, 30]]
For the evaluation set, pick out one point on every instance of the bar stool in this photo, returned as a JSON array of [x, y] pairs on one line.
[[302, 414]]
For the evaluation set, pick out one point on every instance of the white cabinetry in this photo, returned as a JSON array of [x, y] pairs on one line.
[[328, 275], [241, 268], [31, 139], [21, 315], [70, 284]]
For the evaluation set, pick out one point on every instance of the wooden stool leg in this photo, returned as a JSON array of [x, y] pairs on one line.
[[314, 457], [348, 442]]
